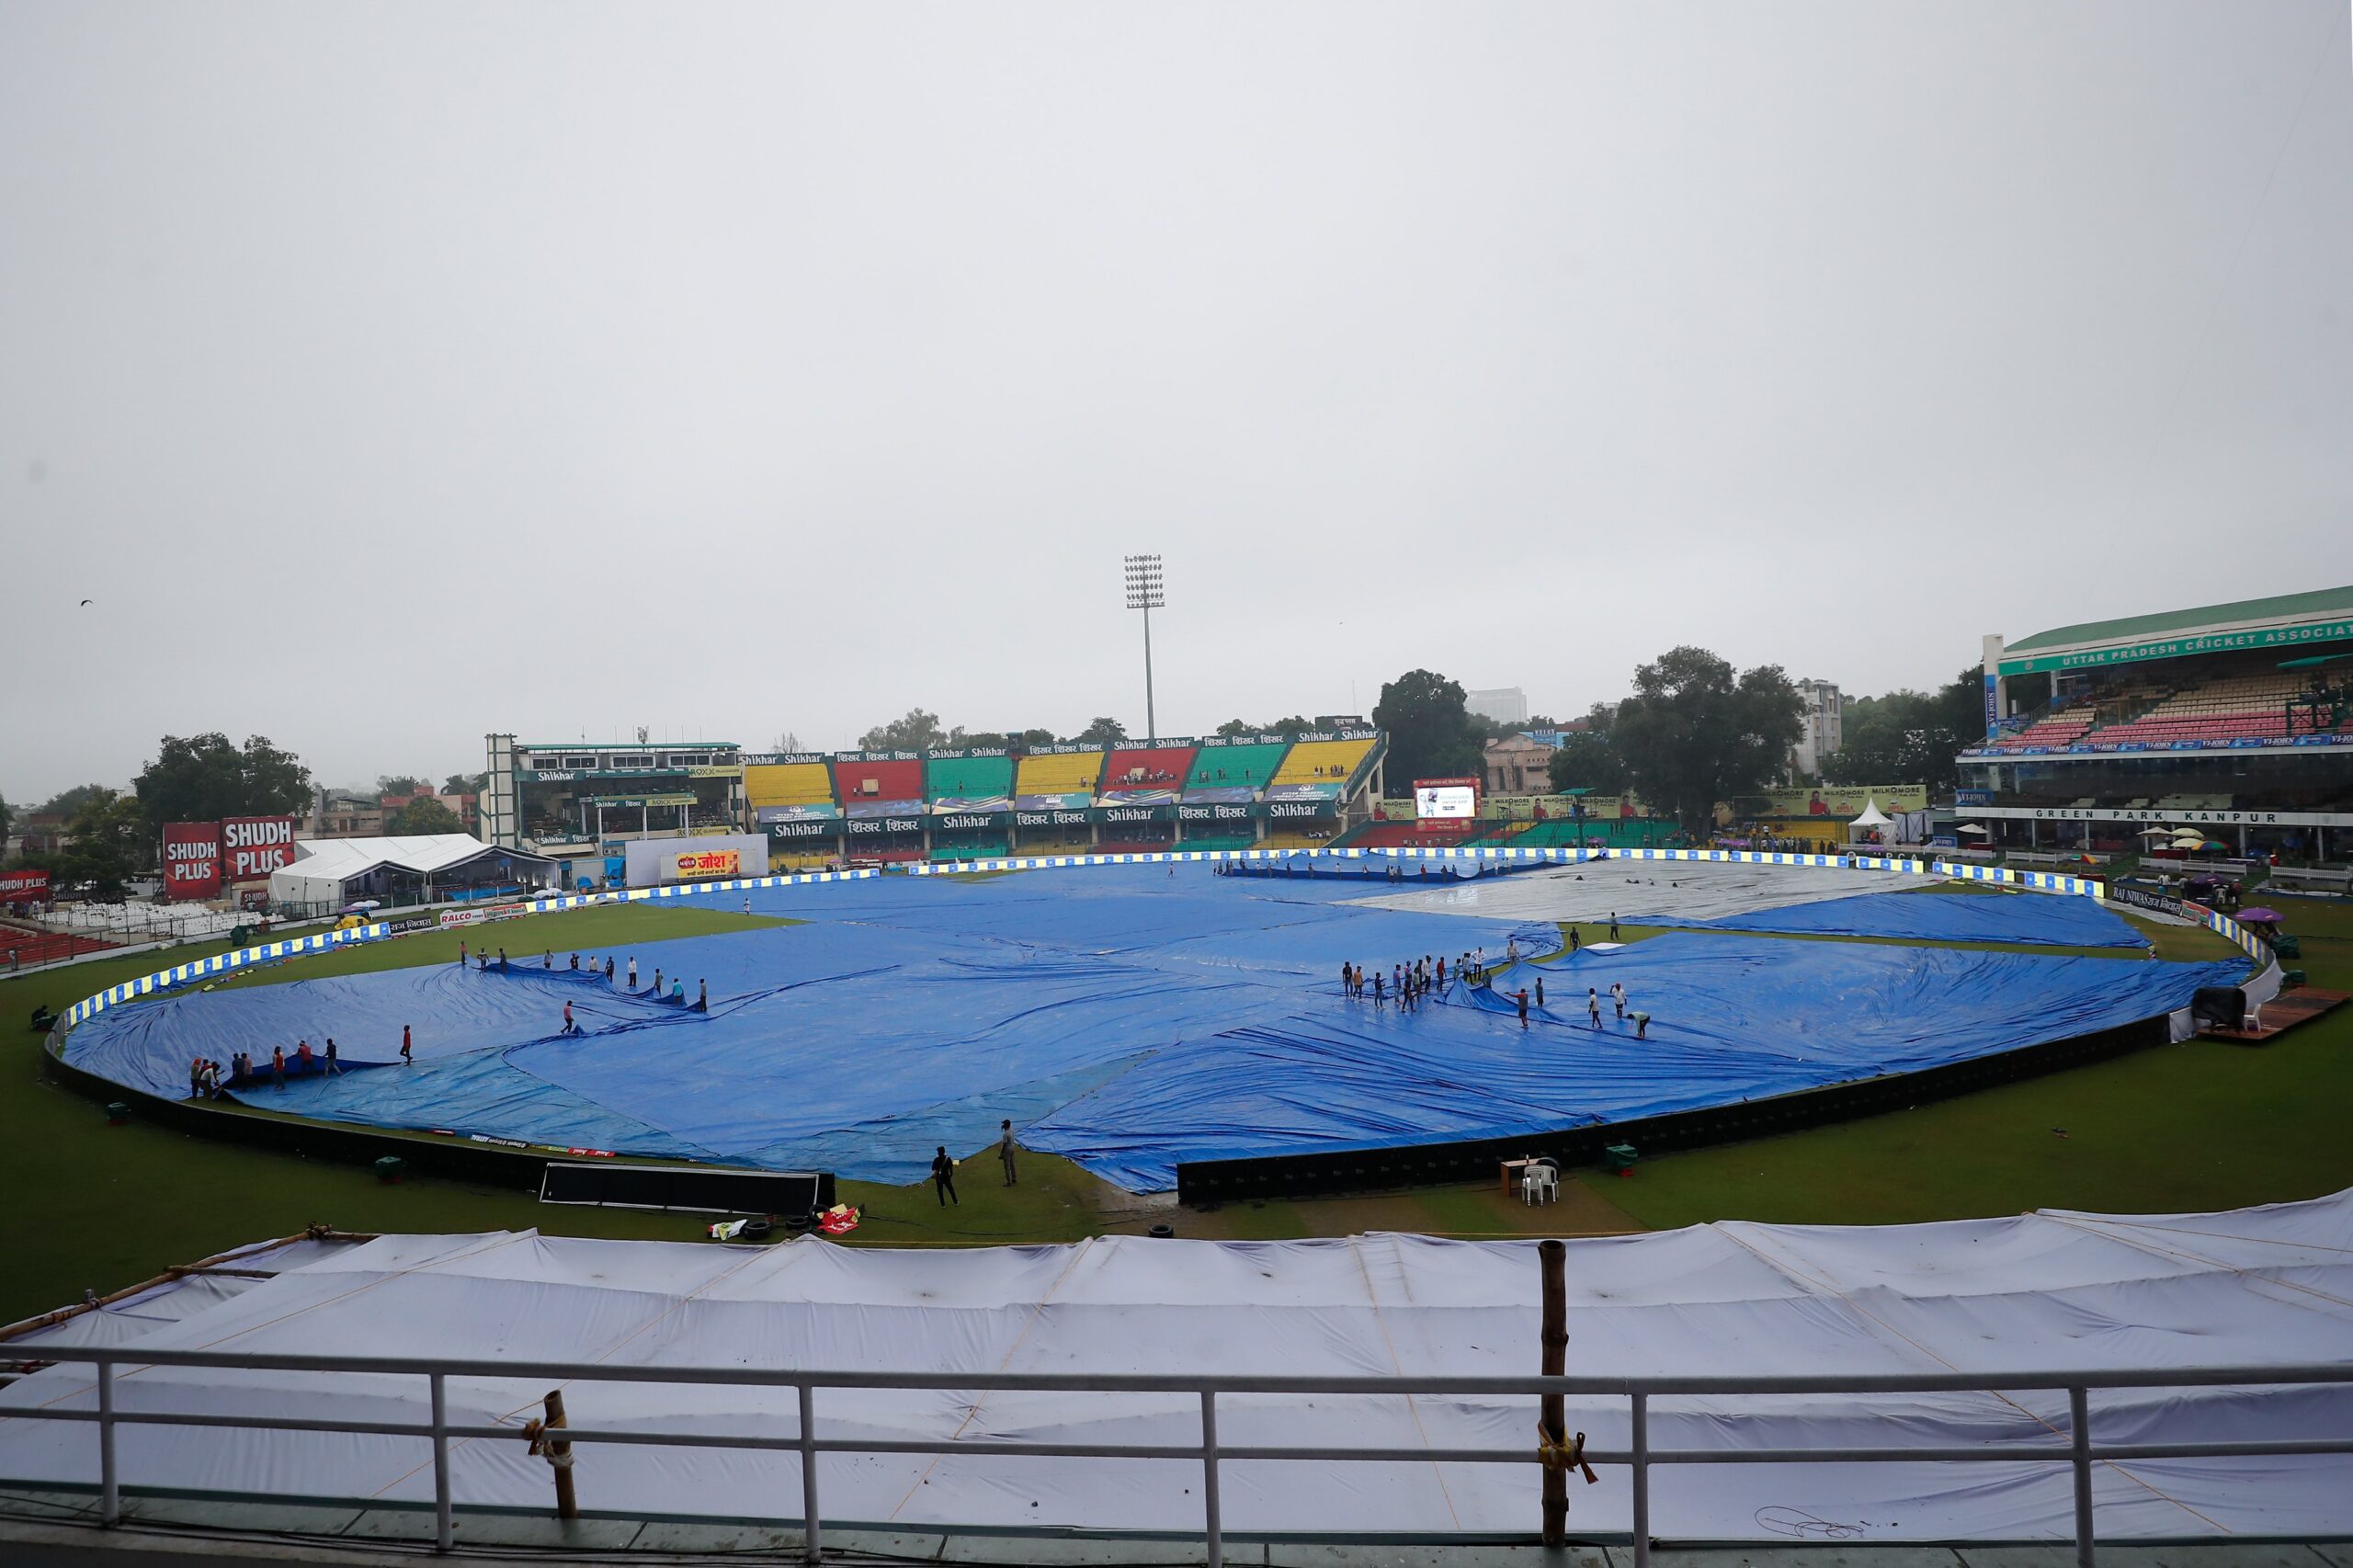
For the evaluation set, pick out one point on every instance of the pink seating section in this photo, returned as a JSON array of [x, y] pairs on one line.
[[2229, 708], [1144, 767]]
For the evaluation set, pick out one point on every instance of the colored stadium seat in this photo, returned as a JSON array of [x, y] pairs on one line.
[[1141, 768], [788, 784], [1059, 773], [878, 781], [967, 779], [1322, 762], [1234, 767]]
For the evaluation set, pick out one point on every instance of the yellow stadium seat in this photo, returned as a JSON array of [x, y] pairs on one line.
[[1322, 762]]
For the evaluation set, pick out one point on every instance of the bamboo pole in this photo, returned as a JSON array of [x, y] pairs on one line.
[[1552, 1256], [567, 1503]]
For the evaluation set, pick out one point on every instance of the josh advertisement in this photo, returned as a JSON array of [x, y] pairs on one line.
[[191, 859], [702, 865], [254, 846]]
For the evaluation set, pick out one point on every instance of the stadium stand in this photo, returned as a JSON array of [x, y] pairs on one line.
[[788, 784], [967, 779], [1322, 762], [1237, 767], [1219, 841], [1136, 767], [1059, 773], [781, 860], [970, 846], [1309, 839], [1397, 836], [877, 781]]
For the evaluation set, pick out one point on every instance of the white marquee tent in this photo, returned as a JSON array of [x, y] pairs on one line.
[[2054, 1290], [331, 870]]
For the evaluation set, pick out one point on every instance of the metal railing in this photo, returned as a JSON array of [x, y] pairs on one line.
[[2076, 1447]]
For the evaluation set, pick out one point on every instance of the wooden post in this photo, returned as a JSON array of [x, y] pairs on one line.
[[567, 1504], [1552, 1256]]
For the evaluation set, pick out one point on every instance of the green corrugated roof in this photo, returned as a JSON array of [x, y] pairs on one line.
[[2320, 604]]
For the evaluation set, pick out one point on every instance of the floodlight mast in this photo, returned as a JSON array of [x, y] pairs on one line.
[[1144, 593]]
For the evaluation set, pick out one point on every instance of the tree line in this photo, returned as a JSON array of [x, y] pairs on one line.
[[111, 836]]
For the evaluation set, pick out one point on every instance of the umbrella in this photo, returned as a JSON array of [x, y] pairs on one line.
[[1971, 827], [2158, 832], [2258, 917]]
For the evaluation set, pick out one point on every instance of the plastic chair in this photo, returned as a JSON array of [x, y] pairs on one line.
[[1539, 1179]]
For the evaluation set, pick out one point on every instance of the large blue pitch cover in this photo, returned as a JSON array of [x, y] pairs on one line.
[[1935, 915], [1129, 1018]]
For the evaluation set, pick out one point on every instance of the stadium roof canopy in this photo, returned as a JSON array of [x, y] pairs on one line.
[[2284, 621]]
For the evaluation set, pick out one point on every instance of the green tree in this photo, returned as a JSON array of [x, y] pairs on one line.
[[1694, 733], [1101, 733], [1586, 760], [1236, 727], [915, 731], [474, 783], [406, 786], [204, 779], [1431, 732], [1910, 737], [4, 820], [106, 844], [67, 802], [422, 816]]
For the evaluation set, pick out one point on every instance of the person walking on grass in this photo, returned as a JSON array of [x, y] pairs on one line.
[[1573, 940], [943, 1178], [1613, 924], [1005, 1150]]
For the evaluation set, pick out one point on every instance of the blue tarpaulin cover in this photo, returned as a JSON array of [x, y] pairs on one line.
[[1126, 1017], [1928, 915]]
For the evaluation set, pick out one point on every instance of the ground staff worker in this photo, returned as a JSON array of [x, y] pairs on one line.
[[943, 1178], [1005, 1150]]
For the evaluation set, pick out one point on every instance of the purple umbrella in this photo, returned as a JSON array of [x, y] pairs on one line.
[[2258, 917]]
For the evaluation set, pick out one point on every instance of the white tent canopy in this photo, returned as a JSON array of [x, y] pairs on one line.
[[1871, 816], [2051, 1291], [326, 867]]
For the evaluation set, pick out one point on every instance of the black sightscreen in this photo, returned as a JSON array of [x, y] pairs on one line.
[[788, 1195]]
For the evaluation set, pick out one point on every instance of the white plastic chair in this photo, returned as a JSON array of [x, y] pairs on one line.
[[1540, 1179]]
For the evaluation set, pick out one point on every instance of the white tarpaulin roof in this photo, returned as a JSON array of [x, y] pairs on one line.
[[326, 864], [2055, 1289], [1872, 816]]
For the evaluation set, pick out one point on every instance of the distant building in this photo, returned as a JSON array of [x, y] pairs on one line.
[[1821, 726], [344, 814], [1502, 705], [1521, 765]]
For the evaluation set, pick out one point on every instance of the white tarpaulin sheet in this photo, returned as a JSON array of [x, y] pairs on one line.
[[2050, 1290], [1689, 890]]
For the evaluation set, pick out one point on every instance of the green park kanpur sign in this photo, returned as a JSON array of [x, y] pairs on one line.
[[2178, 647]]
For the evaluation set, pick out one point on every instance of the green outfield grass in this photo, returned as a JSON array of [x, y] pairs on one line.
[[2196, 1126]]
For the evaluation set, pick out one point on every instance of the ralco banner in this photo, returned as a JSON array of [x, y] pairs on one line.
[[254, 846], [191, 859]]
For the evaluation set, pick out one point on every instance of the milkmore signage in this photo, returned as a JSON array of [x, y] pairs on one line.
[[254, 846], [191, 859], [2179, 647]]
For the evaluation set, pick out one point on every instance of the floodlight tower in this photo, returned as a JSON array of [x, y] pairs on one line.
[[1144, 593]]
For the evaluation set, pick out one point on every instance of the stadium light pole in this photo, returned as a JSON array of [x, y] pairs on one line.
[[1144, 593]]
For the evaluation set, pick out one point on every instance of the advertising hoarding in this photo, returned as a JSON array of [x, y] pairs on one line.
[[1446, 799], [254, 846], [192, 860]]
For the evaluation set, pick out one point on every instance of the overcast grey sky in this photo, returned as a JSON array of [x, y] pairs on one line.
[[390, 374]]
